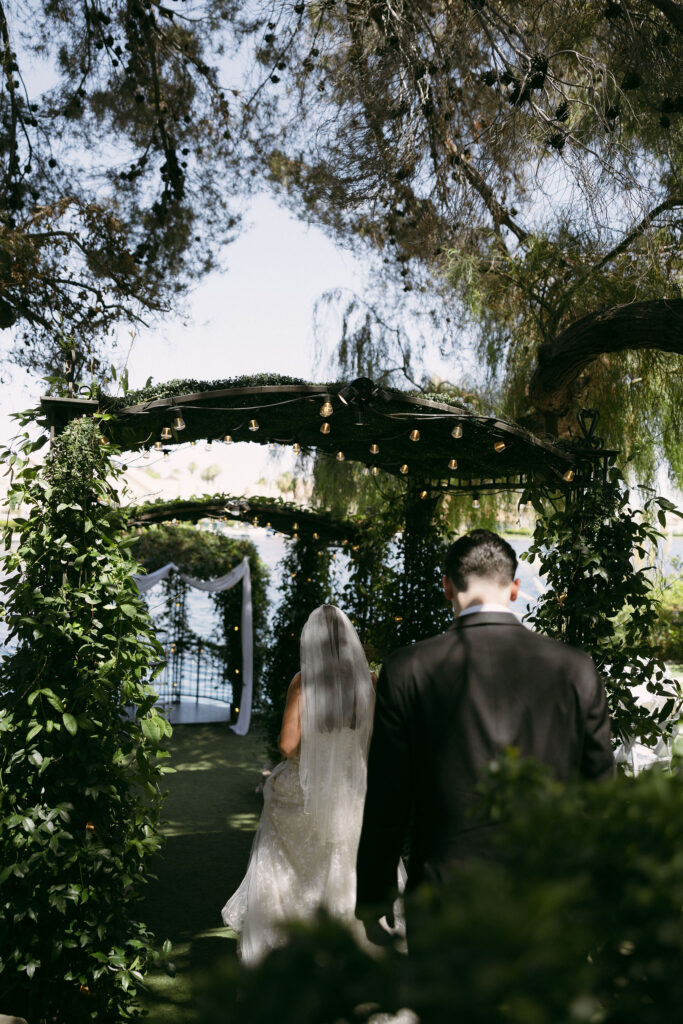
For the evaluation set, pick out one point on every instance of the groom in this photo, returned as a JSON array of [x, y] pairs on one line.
[[447, 706]]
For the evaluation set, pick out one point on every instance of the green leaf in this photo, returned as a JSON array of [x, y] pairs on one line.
[[70, 723]]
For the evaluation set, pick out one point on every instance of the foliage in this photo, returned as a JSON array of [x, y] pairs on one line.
[[111, 201], [304, 585], [513, 167], [190, 386], [206, 555], [577, 919], [81, 742], [598, 600], [667, 638]]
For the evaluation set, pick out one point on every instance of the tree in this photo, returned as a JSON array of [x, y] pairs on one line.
[[116, 181], [528, 153]]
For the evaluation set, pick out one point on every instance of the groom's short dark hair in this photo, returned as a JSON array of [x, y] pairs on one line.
[[480, 553]]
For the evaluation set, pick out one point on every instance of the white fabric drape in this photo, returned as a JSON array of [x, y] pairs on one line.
[[241, 573]]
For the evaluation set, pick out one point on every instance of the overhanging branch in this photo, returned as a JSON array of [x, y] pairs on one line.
[[656, 324]]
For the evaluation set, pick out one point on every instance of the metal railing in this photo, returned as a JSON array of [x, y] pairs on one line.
[[196, 670]]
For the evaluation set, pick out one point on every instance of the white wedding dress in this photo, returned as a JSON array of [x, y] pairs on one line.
[[304, 852]]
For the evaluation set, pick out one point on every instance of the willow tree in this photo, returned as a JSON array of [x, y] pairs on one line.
[[522, 158]]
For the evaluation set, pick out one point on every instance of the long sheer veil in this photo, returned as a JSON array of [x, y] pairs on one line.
[[337, 705]]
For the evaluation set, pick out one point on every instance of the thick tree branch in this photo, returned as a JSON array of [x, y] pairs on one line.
[[654, 324], [671, 10]]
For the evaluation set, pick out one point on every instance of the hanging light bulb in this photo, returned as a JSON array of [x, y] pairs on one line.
[[296, 447], [499, 446], [296, 526], [366, 471], [404, 468], [340, 456], [424, 494], [315, 536], [568, 476], [166, 434], [453, 464], [166, 454], [325, 428], [326, 409], [253, 425], [475, 502], [179, 423], [145, 454], [374, 449], [192, 444], [375, 470], [158, 446], [414, 435], [456, 432]]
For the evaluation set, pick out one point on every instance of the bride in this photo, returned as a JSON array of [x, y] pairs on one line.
[[304, 851]]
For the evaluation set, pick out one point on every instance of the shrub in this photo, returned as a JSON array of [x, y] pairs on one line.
[[579, 919], [80, 795]]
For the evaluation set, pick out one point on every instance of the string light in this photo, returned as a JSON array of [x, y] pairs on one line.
[[453, 464], [158, 446], [374, 449], [89, 826], [568, 476], [253, 425], [227, 439], [326, 409], [296, 447], [166, 454], [145, 454], [414, 435], [499, 446], [456, 432], [366, 471], [179, 423], [296, 526], [340, 456], [192, 444], [424, 494], [475, 502], [325, 428], [315, 536], [166, 434], [404, 468], [374, 470]]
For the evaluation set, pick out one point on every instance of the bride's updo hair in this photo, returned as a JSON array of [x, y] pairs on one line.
[[480, 553]]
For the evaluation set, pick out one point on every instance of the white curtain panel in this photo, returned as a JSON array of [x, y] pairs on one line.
[[240, 574]]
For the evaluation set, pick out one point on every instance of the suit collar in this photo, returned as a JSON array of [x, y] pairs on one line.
[[486, 619]]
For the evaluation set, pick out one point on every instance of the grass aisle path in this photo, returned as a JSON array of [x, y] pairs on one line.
[[210, 816]]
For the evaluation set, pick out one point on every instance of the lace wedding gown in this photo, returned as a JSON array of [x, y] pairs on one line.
[[294, 867], [304, 851]]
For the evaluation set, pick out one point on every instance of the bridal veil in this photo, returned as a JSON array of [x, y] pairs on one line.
[[337, 705]]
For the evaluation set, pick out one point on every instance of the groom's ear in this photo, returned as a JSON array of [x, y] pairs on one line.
[[514, 589], [448, 588]]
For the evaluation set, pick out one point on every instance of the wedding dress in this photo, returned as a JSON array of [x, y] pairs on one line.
[[304, 852]]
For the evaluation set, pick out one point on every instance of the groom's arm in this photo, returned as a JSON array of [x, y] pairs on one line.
[[389, 797], [597, 760]]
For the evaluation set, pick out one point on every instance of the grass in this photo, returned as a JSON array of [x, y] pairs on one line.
[[210, 816]]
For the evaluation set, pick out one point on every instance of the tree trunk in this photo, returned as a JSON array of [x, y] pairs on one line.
[[655, 324]]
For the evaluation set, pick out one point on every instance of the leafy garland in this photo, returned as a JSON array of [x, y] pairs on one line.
[[81, 742]]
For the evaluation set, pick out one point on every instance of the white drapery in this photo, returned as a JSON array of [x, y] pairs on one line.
[[241, 573]]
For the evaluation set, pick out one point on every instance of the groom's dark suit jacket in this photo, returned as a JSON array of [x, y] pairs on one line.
[[445, 708]]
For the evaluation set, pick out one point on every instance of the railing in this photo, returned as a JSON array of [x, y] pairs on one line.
[[196, 670]]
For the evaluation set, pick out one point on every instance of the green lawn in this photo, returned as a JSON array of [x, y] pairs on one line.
[[211, 813]]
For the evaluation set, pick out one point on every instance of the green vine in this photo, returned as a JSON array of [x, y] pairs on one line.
[[599, 600], [81, 742]]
